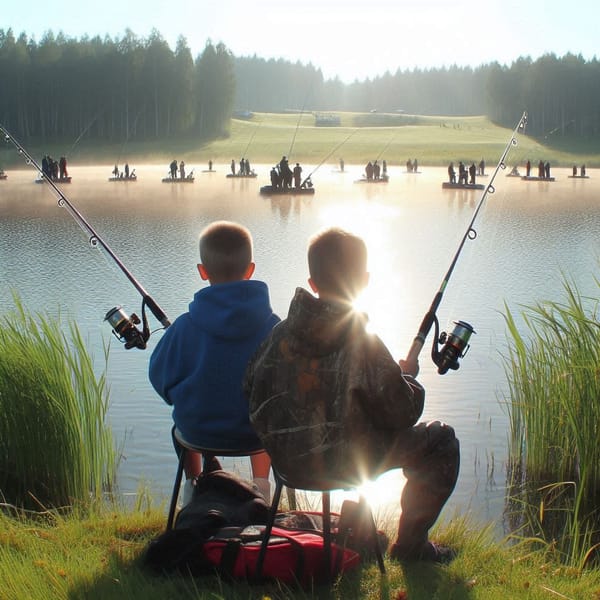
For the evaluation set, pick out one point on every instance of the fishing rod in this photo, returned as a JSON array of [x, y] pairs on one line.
[[251, 138], [307, 179], [456, 343], [124, 327]]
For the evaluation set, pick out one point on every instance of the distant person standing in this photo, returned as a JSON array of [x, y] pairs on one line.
[[182, 170], [376, 170], [232, 166], [297, 175], [126, 170], [482, 167], [547, 170], [472, 173], [342, 165], [62, 165], [528, 168], [451, 173], [173, 168]]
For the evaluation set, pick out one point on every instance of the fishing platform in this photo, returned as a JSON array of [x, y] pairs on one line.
[[447, 185], [579, 176], [250, 175], [43, 178], [124, 179], [187, 179], [381, 179], [531, 178], [270, 190]]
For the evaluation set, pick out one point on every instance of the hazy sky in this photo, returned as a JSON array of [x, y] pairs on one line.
[[350, 39]]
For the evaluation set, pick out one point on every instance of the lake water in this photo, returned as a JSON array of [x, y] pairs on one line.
[[529, 235]]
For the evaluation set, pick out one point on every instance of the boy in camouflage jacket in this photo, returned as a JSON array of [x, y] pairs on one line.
[[330, 404]]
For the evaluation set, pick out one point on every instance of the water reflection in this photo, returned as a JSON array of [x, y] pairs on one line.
[[528, 233]]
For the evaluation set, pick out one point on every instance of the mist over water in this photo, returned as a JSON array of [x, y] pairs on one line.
[[528, 235]]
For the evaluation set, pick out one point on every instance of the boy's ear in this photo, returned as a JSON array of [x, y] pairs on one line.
[[250, 270], [313, 285], [367, 276], [203, 272]]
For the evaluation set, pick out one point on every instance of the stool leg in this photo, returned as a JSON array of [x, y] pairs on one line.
[[268, 528], [326, 500], [374, 536], [176, 487]]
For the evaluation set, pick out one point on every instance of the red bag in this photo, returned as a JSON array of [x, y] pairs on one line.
[[293, 556]]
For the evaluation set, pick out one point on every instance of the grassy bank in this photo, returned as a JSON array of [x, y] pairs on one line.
[[554, 466], [266, 137], [99, 557]]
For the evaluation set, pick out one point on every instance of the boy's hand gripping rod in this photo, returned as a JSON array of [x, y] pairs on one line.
[[124, 327], [456, 343]]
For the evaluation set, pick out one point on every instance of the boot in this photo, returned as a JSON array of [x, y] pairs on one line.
[[264, 487]]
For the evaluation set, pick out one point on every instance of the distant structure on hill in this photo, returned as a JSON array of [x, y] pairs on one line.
[[322, 120]]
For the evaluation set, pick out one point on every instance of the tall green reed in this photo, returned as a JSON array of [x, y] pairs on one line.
[[55, 446], [553, 374]]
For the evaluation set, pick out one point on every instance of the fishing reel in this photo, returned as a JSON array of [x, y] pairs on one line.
[[125, 328], [455, 346]]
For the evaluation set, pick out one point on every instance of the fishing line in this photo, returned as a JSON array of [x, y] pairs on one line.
[[124, 326], [321, 163], [289, 154], [85, 130], [456, 343], [245, 153], [387, 146], [128, 134]]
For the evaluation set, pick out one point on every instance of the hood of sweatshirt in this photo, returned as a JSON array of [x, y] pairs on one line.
[[318, 327], [231, 310]]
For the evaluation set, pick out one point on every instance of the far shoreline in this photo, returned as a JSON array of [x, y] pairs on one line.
[[266, 137]]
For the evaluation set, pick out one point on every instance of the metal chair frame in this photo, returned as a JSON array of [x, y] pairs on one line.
[[207, 455], [280, 482]]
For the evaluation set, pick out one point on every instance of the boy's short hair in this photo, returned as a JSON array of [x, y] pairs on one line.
[[225, 250], [337, 262]]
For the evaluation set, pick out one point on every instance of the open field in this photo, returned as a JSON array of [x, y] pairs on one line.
[[266, 137]]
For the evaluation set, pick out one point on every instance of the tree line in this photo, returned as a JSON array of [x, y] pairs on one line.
[[113, 89], [63, 88]]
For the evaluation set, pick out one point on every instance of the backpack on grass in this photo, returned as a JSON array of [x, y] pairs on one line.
[[220, 531]]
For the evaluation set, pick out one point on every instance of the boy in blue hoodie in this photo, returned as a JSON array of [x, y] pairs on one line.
[[199, 363]]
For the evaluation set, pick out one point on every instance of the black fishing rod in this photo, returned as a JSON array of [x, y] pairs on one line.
[[456, 343], [124, 326], [307, 179]]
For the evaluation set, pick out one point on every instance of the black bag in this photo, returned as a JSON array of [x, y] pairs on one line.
[[220, 499]]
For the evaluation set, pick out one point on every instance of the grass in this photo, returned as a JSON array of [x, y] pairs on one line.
[[554, 380], [55, 447], [266, 137], [99, 556]]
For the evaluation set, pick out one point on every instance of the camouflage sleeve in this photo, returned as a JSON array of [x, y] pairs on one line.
[[391, 399]]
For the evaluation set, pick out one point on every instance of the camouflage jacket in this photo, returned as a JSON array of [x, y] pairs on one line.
[[321, 390]]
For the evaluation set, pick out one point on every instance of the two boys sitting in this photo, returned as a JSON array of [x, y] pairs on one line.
[[326, 399]]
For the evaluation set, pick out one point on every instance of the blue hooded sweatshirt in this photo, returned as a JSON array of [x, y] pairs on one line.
[[198, 365]]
